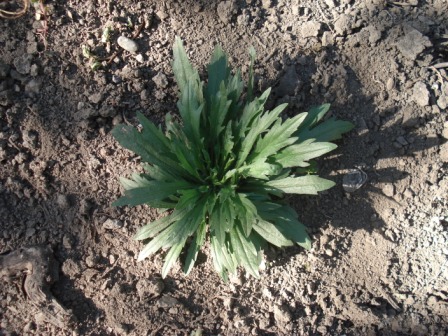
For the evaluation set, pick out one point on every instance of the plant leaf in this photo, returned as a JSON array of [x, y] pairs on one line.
[[277, 137], [154, 191], [285, 219], [329, 130], [171, 258], [298, 155], [309, 184], [271, 233], [182, 68], [245, 251], [195, 246]]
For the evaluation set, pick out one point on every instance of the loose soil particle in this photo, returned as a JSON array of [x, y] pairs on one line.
[[379, 260]]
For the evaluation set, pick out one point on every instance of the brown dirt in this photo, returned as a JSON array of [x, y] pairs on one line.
[[379, 260]]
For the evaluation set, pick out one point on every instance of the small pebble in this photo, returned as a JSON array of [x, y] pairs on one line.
[[127, 44], [112, 224]]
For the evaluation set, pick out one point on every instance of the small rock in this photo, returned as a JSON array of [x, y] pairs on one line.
[[90, 261], [30, 232], [139, 58], [33, 86], [327, 38], [160, 80], [34, 71], [311, 28], [390, 84], [96, 97], [23, 64], [62, 201], [225, 10], [162, 15], [112, 224], [167, 301], [442, 102], [412, 43], [389, 190], [402, 141], [266, 4], [330, 3], [70, 268], [374, 34], [329, 252], [150, 288], [343, 24], [116, 79], [445, 130], [282, 315], [127, 44], [420, 94], [67, 242], [444, 152], [4, 70]]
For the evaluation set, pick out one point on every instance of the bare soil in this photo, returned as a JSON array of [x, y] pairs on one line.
[[379, 260]]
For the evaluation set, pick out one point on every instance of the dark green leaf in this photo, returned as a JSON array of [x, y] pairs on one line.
[[171, 258], [329, 130], [195, 246], [245, 251], [298, 155], [154, 191], [271, 233]]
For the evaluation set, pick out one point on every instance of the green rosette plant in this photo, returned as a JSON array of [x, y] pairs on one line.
[[224, 169]]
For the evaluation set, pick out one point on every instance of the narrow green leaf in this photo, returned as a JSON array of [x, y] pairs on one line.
[[195, 246], [315, 114], [278, 137], [298, 155], [154, 191], [262, 124], [329, 130], [181, 65], [250, 84], [153, 228], [247, 213], [309, 184], [171, 258], [245, 251]]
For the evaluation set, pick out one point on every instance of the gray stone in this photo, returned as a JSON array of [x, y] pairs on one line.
[[23, 64], [96, 97], [225, 10], [62, 201], [160, 80], [373, 33], [442, 102], [444, 152], [4, 70], [412, 43], [151, 288], [112, 224], [445, 130], [167, 301], [389, 190], [282, 315], [127, 44], [420, 94], [311, 29], [33, 86], [343, 25]]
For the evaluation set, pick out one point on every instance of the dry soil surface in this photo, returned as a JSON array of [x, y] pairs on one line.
[[378, 265]]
